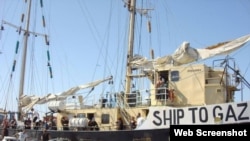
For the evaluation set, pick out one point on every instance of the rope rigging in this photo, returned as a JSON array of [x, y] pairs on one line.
[[23, 30]]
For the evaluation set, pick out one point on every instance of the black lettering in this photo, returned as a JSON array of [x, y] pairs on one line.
[[215, 113], [205, 113], [156, 115], [193, 113], [230, 113], [180, 114], [174, 116], [168, 118], [244, 105]]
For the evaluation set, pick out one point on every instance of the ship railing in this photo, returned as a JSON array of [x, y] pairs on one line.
[[134, 99], [162, 94], [123, 105], [144, 97], [130, 100], [138, 98]]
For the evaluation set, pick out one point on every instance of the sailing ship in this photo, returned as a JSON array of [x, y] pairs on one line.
[[180, 93]]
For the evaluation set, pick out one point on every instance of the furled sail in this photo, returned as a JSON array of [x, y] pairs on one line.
[[28, 102], [186, 54]]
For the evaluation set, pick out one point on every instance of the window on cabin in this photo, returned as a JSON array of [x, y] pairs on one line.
[[105, 118], [82, 115], [175, 76]]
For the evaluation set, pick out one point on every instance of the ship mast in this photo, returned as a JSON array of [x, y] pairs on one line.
[[22, 76], [132, 10]]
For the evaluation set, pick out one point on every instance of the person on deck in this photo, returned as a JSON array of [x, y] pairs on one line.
[[53, 124], [139, 120], [22, 135], [35, 115], [13, 123], [35, 118], [120, 124], [93, 124], [161, 88], [5, 122], [27, 123], [133, 123], [65, 123], [45, 136], [5, 132], [159, 82], [5, 125], [138, 115]]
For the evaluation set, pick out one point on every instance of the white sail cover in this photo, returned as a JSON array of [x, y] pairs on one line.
[[27, 102], [186, 54]]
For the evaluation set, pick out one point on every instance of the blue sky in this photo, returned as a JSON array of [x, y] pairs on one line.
[[82, 32]]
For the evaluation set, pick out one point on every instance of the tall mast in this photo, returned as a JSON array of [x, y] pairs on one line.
[[132, 10], [26, 35]]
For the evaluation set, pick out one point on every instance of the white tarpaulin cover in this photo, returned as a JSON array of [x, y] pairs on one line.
[[186, 54], [28, 102]]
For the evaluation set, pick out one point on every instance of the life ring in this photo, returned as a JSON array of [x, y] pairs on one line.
[[171, 95]]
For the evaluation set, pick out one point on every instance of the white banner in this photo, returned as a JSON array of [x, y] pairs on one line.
[[228, 113]]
